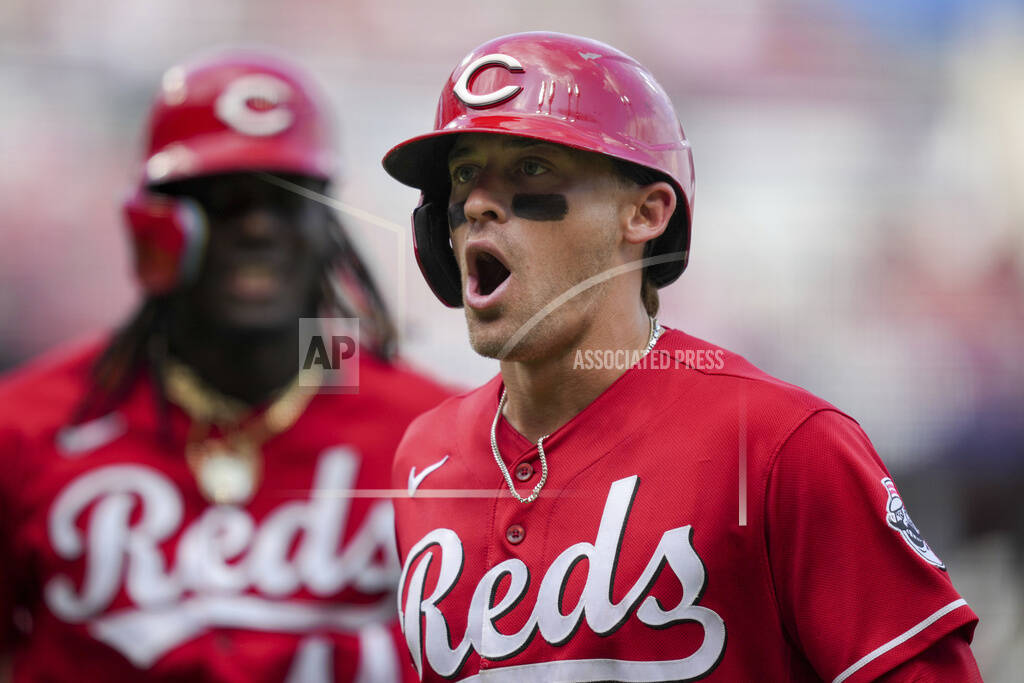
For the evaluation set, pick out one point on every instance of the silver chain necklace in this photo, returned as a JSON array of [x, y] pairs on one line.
[[656, 331]]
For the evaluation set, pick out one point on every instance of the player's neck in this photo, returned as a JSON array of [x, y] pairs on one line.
[[251, 369], [543, 395]]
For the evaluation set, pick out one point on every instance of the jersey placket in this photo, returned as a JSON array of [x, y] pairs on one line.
[[517, 529]]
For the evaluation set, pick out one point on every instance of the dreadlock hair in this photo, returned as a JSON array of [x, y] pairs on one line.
[[346, 288], [350, 290], [641, 176], [139, 343]]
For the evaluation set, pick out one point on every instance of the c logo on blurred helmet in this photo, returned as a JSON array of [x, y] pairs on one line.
[[254, 105], [461, 88]]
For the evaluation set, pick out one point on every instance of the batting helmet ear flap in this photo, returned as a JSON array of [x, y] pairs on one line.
[[169, 235], [432, 244], [673, 243]]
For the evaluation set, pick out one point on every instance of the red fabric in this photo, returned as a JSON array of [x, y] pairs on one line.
[[119, 570], [847, 584], [949, 659], [665, 559]]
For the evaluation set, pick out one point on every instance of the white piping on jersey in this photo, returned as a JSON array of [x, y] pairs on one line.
[[898, 640]]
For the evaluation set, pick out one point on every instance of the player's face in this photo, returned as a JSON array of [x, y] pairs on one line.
[[529, 221], [262, 262]]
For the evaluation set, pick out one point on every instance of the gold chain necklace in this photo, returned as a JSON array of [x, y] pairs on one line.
[[228, 468], [652, 339]]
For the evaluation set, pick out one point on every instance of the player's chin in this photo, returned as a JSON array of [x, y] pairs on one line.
[[506, 341], [255, 325], [489, 333]]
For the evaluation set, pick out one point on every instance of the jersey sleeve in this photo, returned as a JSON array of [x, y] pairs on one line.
[[859, 590], [950, 659]]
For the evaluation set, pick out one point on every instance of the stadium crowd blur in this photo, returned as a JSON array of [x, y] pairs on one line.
[[859, 224]]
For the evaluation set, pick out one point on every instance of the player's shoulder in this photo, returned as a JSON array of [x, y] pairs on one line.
[[443, 425], [721, 372], [395, 387], [796, 421], [43, 391]]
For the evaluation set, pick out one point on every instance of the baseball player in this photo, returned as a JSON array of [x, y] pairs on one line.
[[176, 505], [624, 501]]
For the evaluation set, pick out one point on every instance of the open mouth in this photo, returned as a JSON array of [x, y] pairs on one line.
[[254, 280], [490, 273]]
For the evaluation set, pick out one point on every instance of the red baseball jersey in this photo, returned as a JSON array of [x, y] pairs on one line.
[[700, 520], [115, 568]]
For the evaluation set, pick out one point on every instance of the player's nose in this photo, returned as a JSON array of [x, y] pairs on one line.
[[487, 200], [258, 227], [258, 223]]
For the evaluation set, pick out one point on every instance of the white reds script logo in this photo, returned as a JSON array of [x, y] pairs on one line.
[[461, 88], [898, 518], [256, 105], [426, 630], [226, 571]]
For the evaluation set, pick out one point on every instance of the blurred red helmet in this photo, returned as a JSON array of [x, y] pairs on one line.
[[237, 111], [227, 112], [558, 88]]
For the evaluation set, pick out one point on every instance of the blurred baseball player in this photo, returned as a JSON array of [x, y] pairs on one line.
[[176, 504], [626, 502]]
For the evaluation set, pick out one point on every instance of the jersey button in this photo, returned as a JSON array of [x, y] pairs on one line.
[[524, 471], [515, 534]]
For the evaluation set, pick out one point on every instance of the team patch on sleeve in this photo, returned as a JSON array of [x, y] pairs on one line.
[[898, 518]]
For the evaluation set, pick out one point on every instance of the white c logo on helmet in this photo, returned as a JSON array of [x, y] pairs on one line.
[[462, 85], [253, 105]]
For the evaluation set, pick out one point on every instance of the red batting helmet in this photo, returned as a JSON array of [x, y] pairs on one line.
[[236, 111], [558, 88]]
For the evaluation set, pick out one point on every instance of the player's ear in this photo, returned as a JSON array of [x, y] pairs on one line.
[[649, 209]]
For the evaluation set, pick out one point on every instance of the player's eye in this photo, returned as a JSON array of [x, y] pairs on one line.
[[463, 173], [532, 167], [220, 204]]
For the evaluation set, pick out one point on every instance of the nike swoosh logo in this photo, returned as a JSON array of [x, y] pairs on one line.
[[416, 479]]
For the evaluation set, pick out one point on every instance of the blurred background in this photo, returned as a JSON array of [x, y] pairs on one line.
[[859, 225]]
